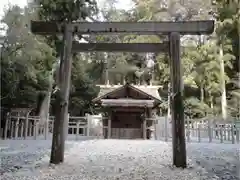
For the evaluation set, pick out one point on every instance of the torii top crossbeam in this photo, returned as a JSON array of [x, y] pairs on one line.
[[182, 27]]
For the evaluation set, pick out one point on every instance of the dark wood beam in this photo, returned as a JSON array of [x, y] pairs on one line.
[[177, 106], [182, 27], [127, 109], [120, 47], [61, 121]]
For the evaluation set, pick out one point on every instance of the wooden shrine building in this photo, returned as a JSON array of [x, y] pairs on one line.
[[127, 108]]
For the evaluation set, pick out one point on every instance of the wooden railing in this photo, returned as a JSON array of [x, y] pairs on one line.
[[197, 132], [32, 127], [27, 126]]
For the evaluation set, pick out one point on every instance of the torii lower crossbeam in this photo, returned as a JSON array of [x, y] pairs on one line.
[[120, 47]]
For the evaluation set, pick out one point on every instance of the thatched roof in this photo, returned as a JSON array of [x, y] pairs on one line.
[[151, 91], [106, 89]]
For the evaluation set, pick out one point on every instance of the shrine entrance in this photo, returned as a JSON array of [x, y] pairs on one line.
[[127, 125], [128, 109], [173, 30]]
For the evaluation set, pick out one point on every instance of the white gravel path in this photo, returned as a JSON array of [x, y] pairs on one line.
[[222, 160], [24, 155], [134, 159]]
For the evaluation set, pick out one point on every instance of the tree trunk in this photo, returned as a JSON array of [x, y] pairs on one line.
[[59, 131], [202, 92], [211, 104], [223, 86], [44, 111], [124, 80], [211, 101]]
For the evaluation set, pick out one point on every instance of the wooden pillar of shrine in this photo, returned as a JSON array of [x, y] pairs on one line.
[[145, 124], [109, 125], [149, 123]]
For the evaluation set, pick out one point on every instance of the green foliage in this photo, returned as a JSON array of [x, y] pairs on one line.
[[66, 10], [228, 16], [201, 61], [83, 90], [194, 108], [26, 61]]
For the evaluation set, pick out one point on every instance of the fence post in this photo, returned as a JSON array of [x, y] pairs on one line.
[[6, 126], [110, 127], [66, 126], [26, 126], [214, 133], [21, 130], [17, 126], [12, 129], [199, 133], [155, 128], [229, 133], [221, 134], [144, 127], [88, 124], [36, 130], [46, 127], [30, 129], [225, 132], [232, 134], [217, 131], [195, 129], [84, 130], [77, 129], [166, 129], [210, 130], [237, 134]]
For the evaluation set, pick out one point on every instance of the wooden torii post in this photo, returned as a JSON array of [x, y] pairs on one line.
[[171, 29]]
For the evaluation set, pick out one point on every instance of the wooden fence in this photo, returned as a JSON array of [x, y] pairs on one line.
[[26, 127], [216, 132], [32, 127]]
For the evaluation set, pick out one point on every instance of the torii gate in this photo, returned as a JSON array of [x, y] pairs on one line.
[[172, 29]]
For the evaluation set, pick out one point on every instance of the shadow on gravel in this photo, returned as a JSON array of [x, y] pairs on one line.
[[221, 161], [27, 154]]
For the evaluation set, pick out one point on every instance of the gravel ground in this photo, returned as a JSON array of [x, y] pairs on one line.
[[24, 155], [119, 159], [27, 155], [16, 154], [222, 160]]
